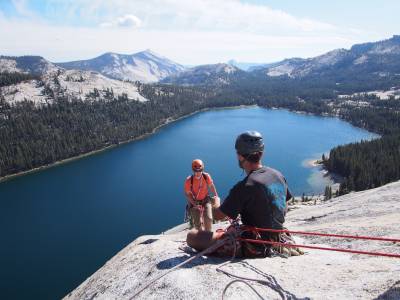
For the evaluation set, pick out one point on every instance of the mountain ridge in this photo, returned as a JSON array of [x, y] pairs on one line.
[[219, 74], [52, 81], [33, 64], [369, 60], [145, 66], [365, 62], [343, 59]]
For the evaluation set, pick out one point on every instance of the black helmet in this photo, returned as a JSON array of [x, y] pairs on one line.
[[249, 142]]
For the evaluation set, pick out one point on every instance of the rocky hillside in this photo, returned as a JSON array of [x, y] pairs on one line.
[[382, 58], [52, 81], [26, 64], [245, 66], [145, 66], [215, 74], [315, 275], [363, 67]]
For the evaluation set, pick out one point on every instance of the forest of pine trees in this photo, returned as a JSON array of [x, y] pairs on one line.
[[367, 164], [9, 78], [33, 136]]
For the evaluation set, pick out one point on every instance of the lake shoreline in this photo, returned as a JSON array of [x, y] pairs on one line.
[[110, 147], [125, 187], [164, 123], [317, 163]]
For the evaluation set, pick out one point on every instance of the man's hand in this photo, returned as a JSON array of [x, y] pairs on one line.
[[218, 214], [215, 202], [286, 239], [190, 199]]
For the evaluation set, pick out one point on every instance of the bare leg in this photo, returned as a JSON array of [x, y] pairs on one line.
[[207, 217], [196, 218], [207, 224], [201, 240]]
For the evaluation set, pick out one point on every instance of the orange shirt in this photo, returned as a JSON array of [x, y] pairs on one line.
[[200, 186]]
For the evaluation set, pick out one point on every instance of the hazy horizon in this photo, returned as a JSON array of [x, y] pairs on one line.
[[192, 33]]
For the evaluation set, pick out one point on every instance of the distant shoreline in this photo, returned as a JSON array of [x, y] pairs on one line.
[[107, 148], [167, 121], [312, 162], [336, 179]]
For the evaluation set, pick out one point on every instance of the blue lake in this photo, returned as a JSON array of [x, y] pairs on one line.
[[60, 225]]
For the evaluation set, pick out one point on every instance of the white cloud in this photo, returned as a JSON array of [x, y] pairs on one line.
[[124, 21], [227, 15], [22, 8], [58, 43], [189, 32]]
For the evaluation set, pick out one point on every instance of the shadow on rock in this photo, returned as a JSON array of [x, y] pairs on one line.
[[393, 293], [264, 279], [149, 241], [174, 261]]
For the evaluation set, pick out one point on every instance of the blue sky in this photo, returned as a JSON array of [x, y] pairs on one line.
[[195, 31]]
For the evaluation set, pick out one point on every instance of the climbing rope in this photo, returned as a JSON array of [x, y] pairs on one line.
[[288, 245], [320, 248], [271, 282], [357, 237], [242, 281], [234, 237], [206, 251]]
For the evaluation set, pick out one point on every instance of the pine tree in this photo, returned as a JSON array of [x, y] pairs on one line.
[[326, 193]]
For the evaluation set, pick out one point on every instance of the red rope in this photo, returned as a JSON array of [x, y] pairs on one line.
[[320, 248], [359, 237]]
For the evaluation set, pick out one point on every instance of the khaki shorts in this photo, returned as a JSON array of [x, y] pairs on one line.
[[196, 213], [252, 250]]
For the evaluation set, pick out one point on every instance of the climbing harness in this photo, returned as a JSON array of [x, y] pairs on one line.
[[203, 176], [271, 282], [200, 203]]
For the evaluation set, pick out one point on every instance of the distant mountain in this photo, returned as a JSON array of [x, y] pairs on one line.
[[145, 66], [215, 74], [284, 67], [362, 67], [381, 58], [26, 64], [245, 66], [52, 82]]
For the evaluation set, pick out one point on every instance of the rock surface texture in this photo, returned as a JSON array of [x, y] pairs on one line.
[[315, 275]]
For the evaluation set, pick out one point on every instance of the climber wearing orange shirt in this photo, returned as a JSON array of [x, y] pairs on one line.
[[197, 193]]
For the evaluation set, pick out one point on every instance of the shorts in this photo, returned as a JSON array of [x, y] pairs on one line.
[[241, 249], [196, 214]]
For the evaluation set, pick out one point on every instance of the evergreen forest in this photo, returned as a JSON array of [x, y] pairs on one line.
[[32, 136]]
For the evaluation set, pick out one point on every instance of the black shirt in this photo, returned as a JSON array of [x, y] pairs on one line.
[[260, 199]]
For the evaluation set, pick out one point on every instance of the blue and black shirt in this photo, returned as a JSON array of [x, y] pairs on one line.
[[260, 199]]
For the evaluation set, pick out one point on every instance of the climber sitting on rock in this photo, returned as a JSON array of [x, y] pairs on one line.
[[260, 200]]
